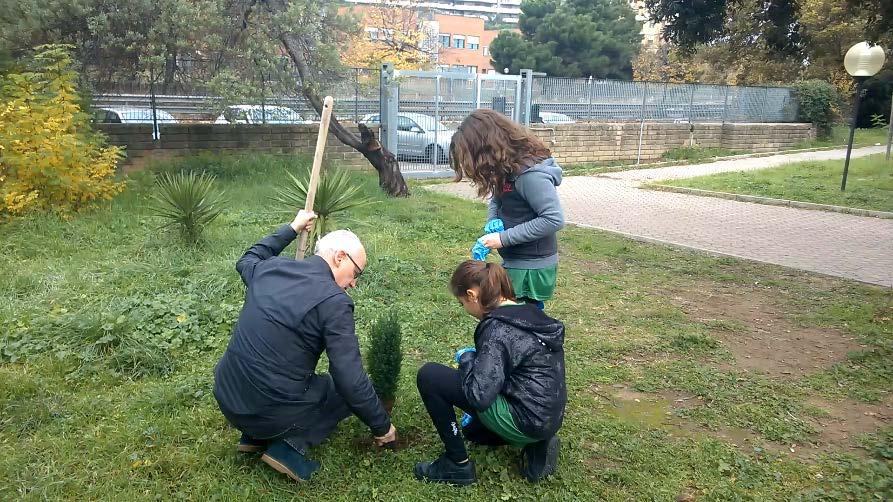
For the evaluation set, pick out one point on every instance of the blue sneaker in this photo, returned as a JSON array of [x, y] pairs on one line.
[[285, 459], [248, 444]]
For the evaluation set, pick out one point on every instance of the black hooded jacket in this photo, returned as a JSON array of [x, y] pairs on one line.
[[519, 354]]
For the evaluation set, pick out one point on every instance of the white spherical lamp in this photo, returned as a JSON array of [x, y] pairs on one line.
[[863, 60]]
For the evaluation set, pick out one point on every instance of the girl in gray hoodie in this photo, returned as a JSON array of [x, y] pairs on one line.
[[513, 167]]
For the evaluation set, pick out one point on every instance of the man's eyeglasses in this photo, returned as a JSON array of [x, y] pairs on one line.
[[357, 270]]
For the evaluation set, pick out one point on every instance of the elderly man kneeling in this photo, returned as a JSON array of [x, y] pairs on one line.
[[265, 383]]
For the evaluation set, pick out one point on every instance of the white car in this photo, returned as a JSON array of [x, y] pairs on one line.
[[134, 115], [257, 114], [131, 115], [419, 136], [556, 118]]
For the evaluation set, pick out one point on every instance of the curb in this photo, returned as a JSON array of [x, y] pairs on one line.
[[772, 202]]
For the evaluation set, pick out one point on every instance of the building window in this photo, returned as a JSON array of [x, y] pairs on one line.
[[472, 69], [458, 41], [444, 39], [486, 50], [474, 43], [373, 33]]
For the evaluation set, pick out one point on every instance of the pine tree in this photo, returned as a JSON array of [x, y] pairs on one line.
[[385, 356]]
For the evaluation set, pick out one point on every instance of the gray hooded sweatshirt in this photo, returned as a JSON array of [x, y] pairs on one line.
[[537, 187]]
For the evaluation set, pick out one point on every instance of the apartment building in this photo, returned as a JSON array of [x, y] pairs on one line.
[[651, 32], [464, 43], [504, 11]]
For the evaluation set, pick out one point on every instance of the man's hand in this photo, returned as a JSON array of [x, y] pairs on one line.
[[303, 221], [390, 437], [492, 241]]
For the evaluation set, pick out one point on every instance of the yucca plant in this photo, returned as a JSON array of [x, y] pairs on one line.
[[337, 192], [187, 201]]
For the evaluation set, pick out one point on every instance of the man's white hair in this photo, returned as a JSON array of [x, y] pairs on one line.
[[339, 240]]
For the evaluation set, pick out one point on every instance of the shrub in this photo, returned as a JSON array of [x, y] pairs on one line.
[[385, 356], [187, 201], [49, 158], [816, 99], [336, 192]]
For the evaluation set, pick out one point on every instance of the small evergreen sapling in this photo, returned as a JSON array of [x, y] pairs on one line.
[[385, 357]]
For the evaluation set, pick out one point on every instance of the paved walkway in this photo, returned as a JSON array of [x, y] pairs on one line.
[[843, 245]]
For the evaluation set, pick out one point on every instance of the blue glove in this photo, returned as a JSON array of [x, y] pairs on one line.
[[479, 251], [466, 419], [462, 351], [494, 225]]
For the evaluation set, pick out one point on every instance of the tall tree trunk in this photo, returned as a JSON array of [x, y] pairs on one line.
[[390, 179]]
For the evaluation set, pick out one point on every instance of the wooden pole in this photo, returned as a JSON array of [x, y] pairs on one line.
[[325, 118]]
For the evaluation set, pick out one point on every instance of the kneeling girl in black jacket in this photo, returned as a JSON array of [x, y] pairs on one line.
[[510, 384]]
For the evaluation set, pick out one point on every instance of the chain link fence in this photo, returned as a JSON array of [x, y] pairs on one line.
[[200, 91]]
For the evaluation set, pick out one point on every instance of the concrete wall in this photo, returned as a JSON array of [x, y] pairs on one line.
[[603, 142], [183, 139]]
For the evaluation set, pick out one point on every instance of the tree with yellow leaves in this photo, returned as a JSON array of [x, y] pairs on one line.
[[391, 33], [49, 158]]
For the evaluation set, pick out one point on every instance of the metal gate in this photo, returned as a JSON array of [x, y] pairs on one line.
[[421, 109]]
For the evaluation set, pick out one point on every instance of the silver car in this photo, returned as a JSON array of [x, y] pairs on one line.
[[419, 136]]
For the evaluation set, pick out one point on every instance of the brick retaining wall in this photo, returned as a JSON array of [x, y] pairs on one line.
[[603, 142], [570, 143]]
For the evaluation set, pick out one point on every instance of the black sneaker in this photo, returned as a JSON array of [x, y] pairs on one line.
[[444, 470], [540, 459]]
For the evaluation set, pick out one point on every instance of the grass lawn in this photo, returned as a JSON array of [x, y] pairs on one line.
[[840, 135], [688, 376], [869, 183]]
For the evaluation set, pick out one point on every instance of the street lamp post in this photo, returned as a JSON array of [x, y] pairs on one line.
[[861, 61]]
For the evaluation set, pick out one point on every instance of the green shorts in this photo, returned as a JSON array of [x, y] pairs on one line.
[[536, 284], [498, 418]]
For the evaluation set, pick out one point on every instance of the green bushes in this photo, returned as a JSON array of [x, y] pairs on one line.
[[816, 100]]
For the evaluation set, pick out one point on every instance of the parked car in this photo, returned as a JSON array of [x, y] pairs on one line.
[[419, 136], [257, 114], [556, 118], [134, 115], [131, 115]]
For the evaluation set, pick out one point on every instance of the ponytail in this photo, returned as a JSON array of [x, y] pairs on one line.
[[489, 278]]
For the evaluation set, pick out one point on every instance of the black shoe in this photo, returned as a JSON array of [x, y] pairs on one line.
[[248, 444], [540, 459], [293, 463], [444, 470]]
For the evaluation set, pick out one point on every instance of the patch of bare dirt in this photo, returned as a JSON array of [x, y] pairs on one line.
[[758, 333], [847, 419], [838, 430]]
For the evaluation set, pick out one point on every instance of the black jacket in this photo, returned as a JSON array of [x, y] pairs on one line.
[[265, 382], [519, 355]]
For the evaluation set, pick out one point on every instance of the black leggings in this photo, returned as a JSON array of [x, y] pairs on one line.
[[441, 390]]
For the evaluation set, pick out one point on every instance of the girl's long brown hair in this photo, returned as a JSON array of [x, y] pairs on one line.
[[490, 279], [488, 148]]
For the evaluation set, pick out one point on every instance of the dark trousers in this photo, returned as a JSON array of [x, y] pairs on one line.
[[331, 412], [441, 391]]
